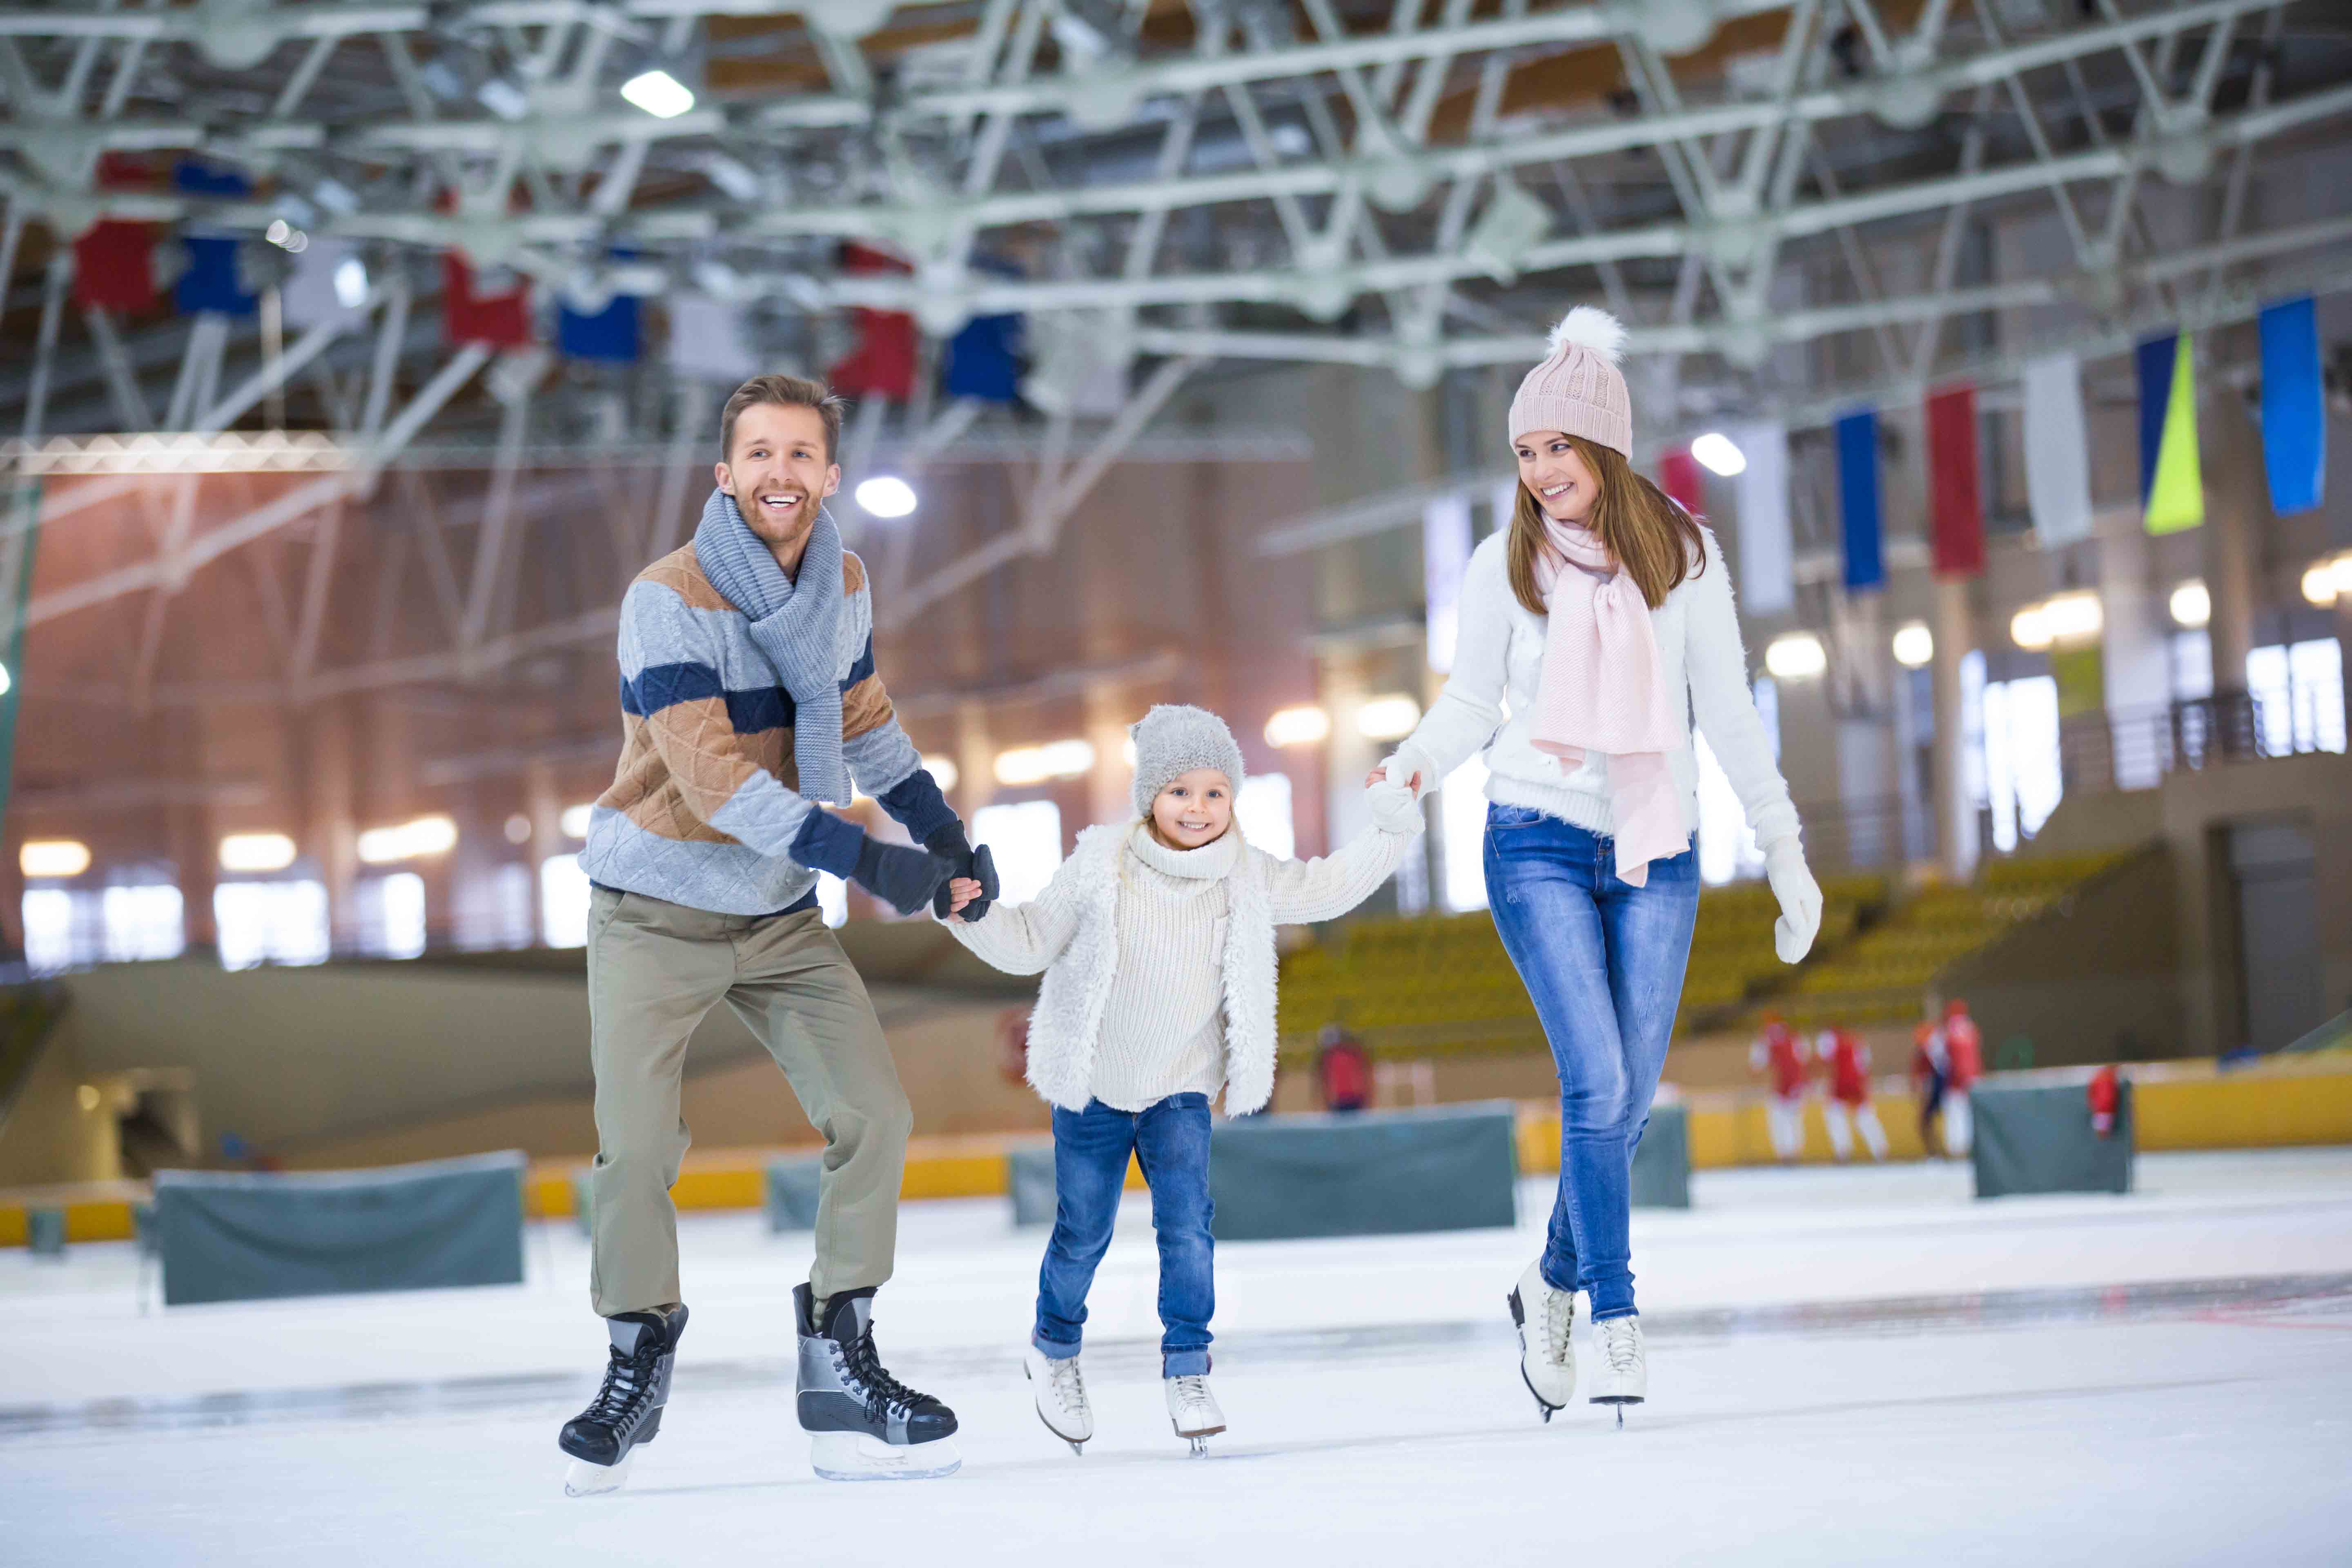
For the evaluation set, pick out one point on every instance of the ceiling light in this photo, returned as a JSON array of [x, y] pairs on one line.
[[574, 820], [1298, 726], [1915, 645], [2073, 618], [2030, 629], [658, 93], [887, 495], [1798, 655], [1719, 454], [2329, 580], [350, 282], [2191, 604], [944, 771], [1036, 765], [256, 852], [53, 858], [1390, 717], [408, 841]]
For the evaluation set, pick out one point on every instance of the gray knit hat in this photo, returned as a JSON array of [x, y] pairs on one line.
[[1578, 388], [1174, 739]]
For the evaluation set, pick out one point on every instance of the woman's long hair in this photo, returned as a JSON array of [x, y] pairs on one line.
[[1646, 532]]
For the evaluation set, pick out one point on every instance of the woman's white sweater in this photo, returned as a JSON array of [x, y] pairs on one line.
[[1498, 663], [1160, 963]]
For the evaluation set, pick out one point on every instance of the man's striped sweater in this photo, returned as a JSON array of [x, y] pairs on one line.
[[705, 810]]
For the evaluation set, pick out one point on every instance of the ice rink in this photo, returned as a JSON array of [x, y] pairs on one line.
[[1846, 1367]]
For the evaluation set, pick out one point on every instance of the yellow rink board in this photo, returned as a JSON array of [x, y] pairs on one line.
[[2177, 1106]]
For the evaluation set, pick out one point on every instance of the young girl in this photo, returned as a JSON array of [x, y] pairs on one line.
[[1156, 938], [1604, 615]]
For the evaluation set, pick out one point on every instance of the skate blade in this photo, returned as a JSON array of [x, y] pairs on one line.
[[856, 1456], [584, 1480], [1546, 1406]]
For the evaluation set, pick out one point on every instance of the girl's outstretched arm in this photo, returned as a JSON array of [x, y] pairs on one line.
[[1024, 939], [1321, 889]]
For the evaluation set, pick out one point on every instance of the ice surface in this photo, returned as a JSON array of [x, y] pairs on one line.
[[2010, 1409]]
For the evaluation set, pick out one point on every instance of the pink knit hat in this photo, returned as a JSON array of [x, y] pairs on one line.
[[1578, 388]]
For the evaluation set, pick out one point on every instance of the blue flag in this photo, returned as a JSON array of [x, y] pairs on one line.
[[2294, 415], [1857, 446]]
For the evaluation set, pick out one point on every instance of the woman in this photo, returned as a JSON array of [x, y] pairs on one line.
[[1604, 616]]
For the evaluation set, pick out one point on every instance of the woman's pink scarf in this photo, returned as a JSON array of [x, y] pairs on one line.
[[1601, 690]]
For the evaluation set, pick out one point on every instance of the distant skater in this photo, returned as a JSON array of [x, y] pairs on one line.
[[1780, 1056], [1846, 1063]]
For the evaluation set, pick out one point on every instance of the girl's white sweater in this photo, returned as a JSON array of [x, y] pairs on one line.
[[1160, 963], [1498, 663]]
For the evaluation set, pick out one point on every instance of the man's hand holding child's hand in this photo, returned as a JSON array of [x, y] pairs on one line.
[[961, 890]]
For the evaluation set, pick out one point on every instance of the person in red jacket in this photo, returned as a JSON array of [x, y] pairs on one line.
[[1845, 1063], [1780, 1057], [1343, 1069], [1963, 1054], [1928, 1075]]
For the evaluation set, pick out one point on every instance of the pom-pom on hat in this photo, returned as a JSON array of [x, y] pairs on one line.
[[1173, 740], [1578, 388]]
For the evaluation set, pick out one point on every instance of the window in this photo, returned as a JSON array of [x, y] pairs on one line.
[[562, 901], [1726, 846], [2191, 655], [391, 916], [495, 910], [143, 921], [1462, 836], [65, 928], [2020, 756], [1262, 810], [271, 922], [1026, 839], [2300, 688]]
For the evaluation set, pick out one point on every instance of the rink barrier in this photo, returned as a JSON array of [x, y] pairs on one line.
[[2177, 1106]]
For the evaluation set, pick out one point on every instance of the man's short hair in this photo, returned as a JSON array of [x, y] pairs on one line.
[[789, 392]]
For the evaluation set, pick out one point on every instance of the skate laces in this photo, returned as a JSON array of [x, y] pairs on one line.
[[882, 1389], [1068, 1383], [1559, 1318], [629, 1381], [1193, 1387], [1620, 1342]]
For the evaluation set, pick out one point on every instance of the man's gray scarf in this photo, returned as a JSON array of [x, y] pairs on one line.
[[796, 624]]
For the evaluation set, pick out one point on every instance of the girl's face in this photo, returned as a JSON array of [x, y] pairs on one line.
[[1194, 809], [1556, 476]]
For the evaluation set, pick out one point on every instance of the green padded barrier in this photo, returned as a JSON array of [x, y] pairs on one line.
[[793, 1193], [234, 1236], [1661, 1161], [2038, 1139], [1369, 1172], [1032, 1182]]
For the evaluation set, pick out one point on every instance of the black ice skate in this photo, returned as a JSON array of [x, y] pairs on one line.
[[627, 1410], [864, 1423]]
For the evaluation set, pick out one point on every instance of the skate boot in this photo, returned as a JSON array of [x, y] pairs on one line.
[[1624, 1377], [1192, 1410], [1061, 1391], [865, 1424], [627, 1411], [1545, 1318]]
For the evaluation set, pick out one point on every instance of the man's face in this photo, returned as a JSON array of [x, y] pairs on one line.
[[777, 471]]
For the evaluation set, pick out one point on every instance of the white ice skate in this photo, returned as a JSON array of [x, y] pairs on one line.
[[1192, 1410], [1060, 1389], [1624, 1376], [1545, 1319]]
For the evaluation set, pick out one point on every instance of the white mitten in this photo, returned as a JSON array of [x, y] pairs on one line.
[[1405, 764], [1394, 810], [1800, 897]]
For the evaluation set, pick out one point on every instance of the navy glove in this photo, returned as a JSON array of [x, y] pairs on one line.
[[899, 875], [978, 866]]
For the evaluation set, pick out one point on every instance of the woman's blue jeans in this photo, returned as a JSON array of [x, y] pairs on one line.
[[1170, 1139], [1602, 961]]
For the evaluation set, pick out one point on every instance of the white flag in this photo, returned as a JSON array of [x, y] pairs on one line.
[[710, 339], [1445, 557], [2057, 450], [1767, 583]]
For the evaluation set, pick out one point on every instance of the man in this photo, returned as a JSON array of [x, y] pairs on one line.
[[1780, 1057], [747, 695], [1845, 1062], [1963, 1064]]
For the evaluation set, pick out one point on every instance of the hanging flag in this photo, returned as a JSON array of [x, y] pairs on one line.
[[2295, 412], [710, 340], [1857, 450], [326, 282], [984, 360], [213, 279], [1445, 558], [502, 320], [1680, 477], [609, 334], [1955, 503], [114, 264], [2171, 488], [883, 363], [2057, 450], [1768, 581]]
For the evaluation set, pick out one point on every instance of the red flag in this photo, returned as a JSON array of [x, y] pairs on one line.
[[501, 320], [883, 363], [1955, 503], [1679, 477], [114, 264]]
